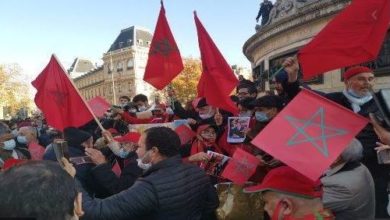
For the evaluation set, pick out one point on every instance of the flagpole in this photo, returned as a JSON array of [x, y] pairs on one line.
[[277, 72], [112, 78], [82, 98]]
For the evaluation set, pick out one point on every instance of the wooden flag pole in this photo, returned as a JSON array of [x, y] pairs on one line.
[[78, 92]]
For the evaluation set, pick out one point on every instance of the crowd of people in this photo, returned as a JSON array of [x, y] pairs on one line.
[[119, 173]]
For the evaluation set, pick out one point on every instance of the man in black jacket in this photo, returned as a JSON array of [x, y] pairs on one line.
[[264, 11], [169, 189], [358, 81]]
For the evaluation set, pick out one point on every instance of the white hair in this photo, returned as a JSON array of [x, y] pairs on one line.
[[354, 151]]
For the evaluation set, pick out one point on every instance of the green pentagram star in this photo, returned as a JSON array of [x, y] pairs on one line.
[[326, 132]]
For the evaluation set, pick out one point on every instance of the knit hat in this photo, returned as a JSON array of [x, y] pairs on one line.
[[356, 70], [287, 180], [75, 137], [269, 101]]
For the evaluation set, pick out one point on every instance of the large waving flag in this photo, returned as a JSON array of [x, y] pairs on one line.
[[313, 136], [58, 99], [217, 80], [164, 62], [354, 36]]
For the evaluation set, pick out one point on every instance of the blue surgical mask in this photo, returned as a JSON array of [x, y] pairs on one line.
[[122, 153], [9, 145], [22, 139], [261, 117]]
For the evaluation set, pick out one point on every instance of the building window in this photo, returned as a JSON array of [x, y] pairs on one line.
[[119, 66], [129, 86], [130, 64], [119, 87], [140, 42], [260, 76], [148, 43], [109, 68], [129, 42], [120, 45]]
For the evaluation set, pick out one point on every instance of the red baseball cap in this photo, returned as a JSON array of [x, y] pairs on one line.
[[129, 137], [356, 70], [12, 162], [288, 181]]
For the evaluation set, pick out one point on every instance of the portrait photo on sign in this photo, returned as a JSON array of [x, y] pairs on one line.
[[215, 164], [236, 129]]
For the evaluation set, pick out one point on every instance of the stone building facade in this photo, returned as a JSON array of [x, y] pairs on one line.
[[292, 24], [122, 70]]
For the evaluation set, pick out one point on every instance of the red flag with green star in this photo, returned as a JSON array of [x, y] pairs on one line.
[[58, 99], [310, 138], [164, 62], [240, 167]]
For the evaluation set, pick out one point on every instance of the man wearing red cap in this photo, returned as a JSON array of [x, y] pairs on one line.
[[356, 96], [290, 195]]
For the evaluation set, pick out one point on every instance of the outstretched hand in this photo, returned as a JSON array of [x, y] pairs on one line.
[[291, 66]]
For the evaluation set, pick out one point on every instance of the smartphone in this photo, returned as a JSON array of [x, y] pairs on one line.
[[384, 156], [61, 150]]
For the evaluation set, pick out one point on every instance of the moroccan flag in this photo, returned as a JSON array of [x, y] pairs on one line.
[[58, 99], [99, 106], [313, 136], [240, 167], [185, 134], [217, 80], [354, 36], [164, 62]]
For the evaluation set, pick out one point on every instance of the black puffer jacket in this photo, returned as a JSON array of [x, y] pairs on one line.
[[168, 190], [107, 178]]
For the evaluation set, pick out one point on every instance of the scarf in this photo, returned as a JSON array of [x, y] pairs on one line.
[[355, 101]]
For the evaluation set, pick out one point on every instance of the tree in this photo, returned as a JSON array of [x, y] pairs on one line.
[[185, 84], [13, 92]]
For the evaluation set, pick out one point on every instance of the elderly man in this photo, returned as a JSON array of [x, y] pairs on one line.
[[169, 189], [290, 195], [348, 186], [28, 135], [356, 96]]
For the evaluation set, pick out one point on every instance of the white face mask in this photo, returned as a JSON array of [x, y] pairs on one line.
[[207, 115], [144, 166], [142, 108], [123, 104]]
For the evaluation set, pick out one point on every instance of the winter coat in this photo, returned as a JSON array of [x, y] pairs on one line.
[[111, 182], [167, 190]]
